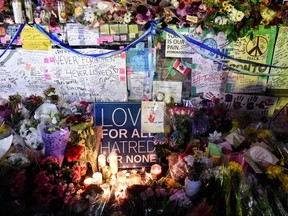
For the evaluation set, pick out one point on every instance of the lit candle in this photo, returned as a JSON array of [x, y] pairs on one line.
[[17, 11], [121, 177], [97, 176], [134, 179], [156, 171], [88, 181], [113, 161], [101, 161], [106, 172]]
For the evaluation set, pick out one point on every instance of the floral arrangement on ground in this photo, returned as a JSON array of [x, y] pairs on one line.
[[211, 164]]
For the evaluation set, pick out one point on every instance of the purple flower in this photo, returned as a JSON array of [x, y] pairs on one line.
[[159, 139], [144, 14]]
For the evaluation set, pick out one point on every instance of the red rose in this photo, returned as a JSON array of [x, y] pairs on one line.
[[73, 153]]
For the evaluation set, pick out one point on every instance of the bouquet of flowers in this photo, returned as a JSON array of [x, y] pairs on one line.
[[162, 197], [47, 184]]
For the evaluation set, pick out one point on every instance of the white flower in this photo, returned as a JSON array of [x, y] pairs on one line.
[[213, 137], [221, 20], [54, 120], [127, 17], [236, 15], [17, 159], [239, 16], [89, 14], [175, 3], [190, 160]]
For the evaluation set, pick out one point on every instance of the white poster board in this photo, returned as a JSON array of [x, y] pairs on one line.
[[75, 77]]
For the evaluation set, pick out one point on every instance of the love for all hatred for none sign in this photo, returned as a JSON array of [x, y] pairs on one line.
[[121, 123]]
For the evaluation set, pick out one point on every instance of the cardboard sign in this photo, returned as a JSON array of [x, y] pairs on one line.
[[122, 132]]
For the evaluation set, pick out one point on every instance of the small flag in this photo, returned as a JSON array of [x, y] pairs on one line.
[[179, 66]]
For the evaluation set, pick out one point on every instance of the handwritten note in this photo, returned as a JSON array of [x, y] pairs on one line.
[[33, 39], [280, 59], [137, 59], [79, 35], [168, 88], [73, 76]]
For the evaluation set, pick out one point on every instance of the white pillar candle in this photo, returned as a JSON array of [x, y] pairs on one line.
[[156, 171], [113, 162], [17, 11], [97, 176], [101, 160]]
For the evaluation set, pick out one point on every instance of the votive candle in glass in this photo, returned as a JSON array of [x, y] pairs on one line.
[[113, 162], [156, 171], [101, 161]]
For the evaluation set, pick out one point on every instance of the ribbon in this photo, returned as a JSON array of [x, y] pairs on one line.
[[191, 41], [218, 52], [13, 39], [64, 46]]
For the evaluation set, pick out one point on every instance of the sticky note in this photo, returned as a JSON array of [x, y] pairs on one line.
[[2, 31], [122, 78], [122, 70], [114, 29], [123, 29], [123, 55], [123, 37], [116, 38], [58, 30], [129, 71], [27, 66], [52, 59], [104, 29], [133, 28], [47, 77], [3, 40], [46, 60]]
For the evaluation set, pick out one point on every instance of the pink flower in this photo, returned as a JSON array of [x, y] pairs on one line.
[[76, 173], [61, 190], [41, 178]]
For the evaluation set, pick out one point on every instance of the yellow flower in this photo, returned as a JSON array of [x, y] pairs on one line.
[[78, 11], [82, 142], [92, 131], [225, 4], [264, 134], [273, 171], [227, 8], [285, 183], [234, 167]]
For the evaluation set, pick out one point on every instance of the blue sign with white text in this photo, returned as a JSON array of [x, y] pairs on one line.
[[121, 123]]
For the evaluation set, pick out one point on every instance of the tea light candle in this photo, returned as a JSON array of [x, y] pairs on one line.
[[97, 177], [113, 161], [88, 181], [156, 171], [101, 160], [134, 179]]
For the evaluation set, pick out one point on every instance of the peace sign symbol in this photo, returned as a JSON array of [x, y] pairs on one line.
[[257, 46]]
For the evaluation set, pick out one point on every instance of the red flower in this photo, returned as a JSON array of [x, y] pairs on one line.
[[73, 153]]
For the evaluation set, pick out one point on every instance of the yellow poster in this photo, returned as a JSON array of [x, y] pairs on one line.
[[33, 39]]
